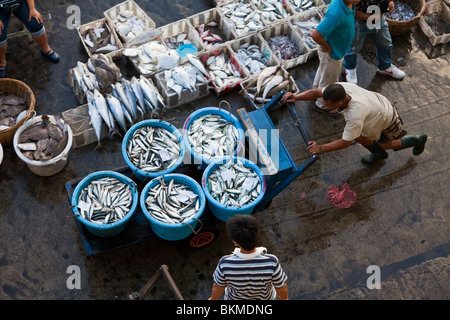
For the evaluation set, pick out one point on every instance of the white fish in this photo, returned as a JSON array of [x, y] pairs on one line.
[[168, 61], [276, 80], [95, 117], [267, 72], [116, 110], [197, 63]]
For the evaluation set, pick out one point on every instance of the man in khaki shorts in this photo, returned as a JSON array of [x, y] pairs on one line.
[[370, 118]]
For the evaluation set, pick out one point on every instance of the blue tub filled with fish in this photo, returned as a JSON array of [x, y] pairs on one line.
[[104, 202], [173, 204], [232, 186], [212, 133], [152, 148]]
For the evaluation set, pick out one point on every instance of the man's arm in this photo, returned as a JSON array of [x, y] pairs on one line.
[[320, 40], [308, 95], [216, 292], [282, 292], [315, 148]]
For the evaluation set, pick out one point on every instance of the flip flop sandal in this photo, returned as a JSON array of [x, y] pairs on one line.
[[326, 110], [51, 55], [2, 71]]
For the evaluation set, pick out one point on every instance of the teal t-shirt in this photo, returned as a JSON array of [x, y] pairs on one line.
[[338, 27]]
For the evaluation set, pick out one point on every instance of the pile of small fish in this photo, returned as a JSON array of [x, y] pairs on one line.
[[176, 41], [12, 109], [44, 140], [268, 83], [184, 77], [213, 136], [205, 32], [271, 10], [305, 29], [99, 39], [153, 149], [234, 185], [152, 56], [222, 71], [402, 12], [172, 202], [129, 25], [244, 18], [284, 46], [302, 5], [252, 58], [127, 100], [105, 200]]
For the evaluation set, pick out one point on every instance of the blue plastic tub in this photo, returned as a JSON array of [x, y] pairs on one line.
[[141, 174], [220, 211], [98, 229], [198, 159], [179, 231]]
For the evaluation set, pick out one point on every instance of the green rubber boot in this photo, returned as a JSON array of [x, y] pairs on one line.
[[376, 153], [417, 142]]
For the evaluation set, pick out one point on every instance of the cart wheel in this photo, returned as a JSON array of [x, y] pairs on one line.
[[201, 239]]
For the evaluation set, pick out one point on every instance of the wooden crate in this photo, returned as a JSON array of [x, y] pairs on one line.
[[232, 57], [441, 10], [115, 11], [291, 87], [172, 99], [286, 28], [117, 54], [178, 27], [213, 15], [254, 39], [82, 130]]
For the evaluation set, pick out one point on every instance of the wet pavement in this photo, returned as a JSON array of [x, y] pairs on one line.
[[400, 221]]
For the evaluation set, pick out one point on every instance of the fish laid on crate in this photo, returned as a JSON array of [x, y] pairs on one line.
[[44, 140], [146, 56], [129, 25], [12, 109], [153, 149], [185, 77], [105, 200], [302, 5], [284, 46], [99, 40], [252, 58], [205, 32], [305, 29], [172, 202], [176, 41], [234, 185], [244, 18], [213, 136], [402, 12], [270, 10], [222, 72]]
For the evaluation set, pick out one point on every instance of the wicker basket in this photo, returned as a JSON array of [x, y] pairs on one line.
[[21, 89], [401, 27]]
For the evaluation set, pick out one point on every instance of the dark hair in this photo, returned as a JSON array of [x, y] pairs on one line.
[[244, 230], [334, 93]]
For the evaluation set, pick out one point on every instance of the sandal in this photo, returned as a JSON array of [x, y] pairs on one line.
[[324, 109], [51, 55], [2, 71]]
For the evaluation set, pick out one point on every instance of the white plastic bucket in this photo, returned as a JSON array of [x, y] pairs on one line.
[[48, 167]]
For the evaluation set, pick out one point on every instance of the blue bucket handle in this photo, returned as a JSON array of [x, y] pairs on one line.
[[229, 106], [73, 215], [200, 223]]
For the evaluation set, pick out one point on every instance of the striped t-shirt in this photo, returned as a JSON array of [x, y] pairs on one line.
[[252, 276]]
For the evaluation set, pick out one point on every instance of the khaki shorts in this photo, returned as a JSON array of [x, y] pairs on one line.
[[395, 130]]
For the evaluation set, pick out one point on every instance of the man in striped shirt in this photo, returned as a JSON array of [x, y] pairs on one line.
[[249, 273]]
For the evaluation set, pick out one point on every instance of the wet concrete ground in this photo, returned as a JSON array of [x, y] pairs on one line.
[[400, 221]]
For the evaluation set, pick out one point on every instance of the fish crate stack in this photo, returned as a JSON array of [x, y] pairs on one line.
[[105, 23], [126, 15], [184, 29], [256, 101], [242, 16], [286, 29], [299, 7], [435, 22], [263, 47], [304, 24], [80, 122], [223, 29], [236, 64], [173, 99]]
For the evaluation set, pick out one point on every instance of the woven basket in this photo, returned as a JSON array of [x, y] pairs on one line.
[[22, 90], [401, 27]]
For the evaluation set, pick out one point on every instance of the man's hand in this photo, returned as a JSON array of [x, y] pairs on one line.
[[313, 148], [289, 97], [391, 7]]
